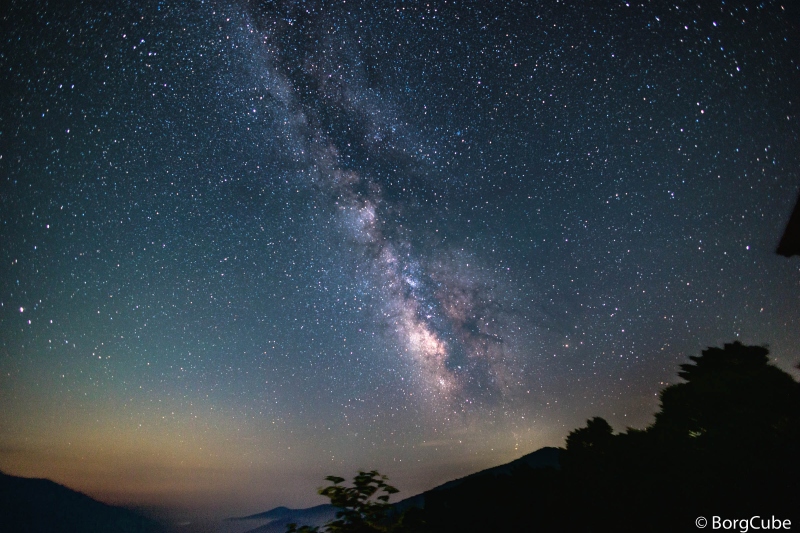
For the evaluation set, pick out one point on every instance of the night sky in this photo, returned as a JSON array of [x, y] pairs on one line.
[[245, 245]]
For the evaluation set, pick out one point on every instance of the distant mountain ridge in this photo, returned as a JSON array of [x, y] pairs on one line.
[[30, 505], [279, 513], [547, 457], [280, 517]]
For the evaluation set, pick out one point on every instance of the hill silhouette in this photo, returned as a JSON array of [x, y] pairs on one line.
[[723, 444], [547, 457], [789, 244], [29, 505]]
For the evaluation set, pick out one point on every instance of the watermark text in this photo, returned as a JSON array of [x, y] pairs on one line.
[[743, 525]]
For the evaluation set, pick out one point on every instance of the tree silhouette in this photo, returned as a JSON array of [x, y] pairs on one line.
[[724, 440], [594, 438], [731, 430], [731, 393], [363, 507]]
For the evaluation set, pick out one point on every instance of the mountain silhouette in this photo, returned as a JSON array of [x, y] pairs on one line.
[[723, 445], [29, 505], [319, 515]]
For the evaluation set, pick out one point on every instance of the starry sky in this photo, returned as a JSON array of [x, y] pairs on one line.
[[247, 244]]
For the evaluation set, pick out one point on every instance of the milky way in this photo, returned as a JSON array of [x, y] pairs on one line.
[[309, 67]]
